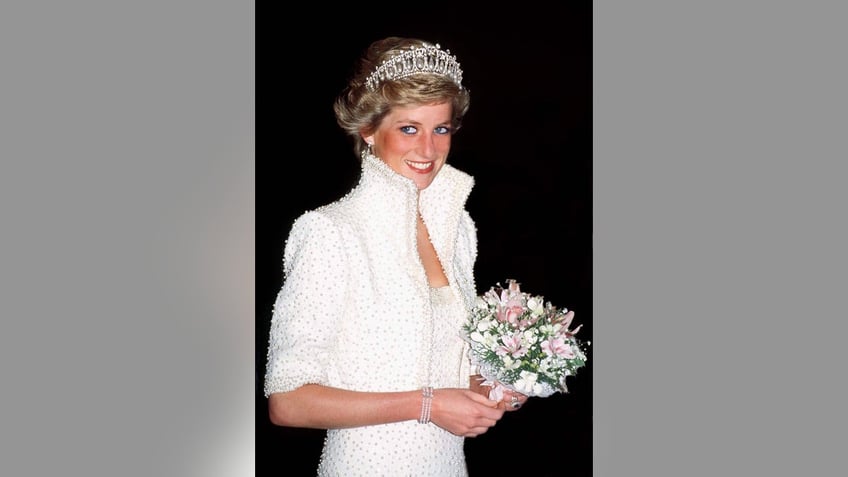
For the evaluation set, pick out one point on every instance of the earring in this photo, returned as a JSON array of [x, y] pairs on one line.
[[370, 150]]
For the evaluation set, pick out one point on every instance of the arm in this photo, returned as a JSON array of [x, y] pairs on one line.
[[460, 411]]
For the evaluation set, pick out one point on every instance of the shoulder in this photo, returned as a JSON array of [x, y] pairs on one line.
[[314, 224], [325, 223], [315, 237]]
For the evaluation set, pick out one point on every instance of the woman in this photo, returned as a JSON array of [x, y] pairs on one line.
[[365, 334]]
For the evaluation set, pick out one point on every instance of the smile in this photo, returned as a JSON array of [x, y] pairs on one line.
[[421, 166]]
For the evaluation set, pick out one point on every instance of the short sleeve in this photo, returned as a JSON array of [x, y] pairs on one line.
[[303, 323]]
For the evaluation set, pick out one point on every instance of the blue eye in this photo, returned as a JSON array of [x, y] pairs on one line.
[[443, 130], [409, 129]]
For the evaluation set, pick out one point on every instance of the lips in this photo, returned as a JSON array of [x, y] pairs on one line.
[[420, 167]]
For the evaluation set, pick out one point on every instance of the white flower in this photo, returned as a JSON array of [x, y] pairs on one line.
[[527, 384], [531, 336], [536, 306]]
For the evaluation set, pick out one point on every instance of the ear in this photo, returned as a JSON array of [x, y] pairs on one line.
[[369, 139]]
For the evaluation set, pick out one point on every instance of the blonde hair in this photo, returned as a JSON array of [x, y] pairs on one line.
[[360, 110]]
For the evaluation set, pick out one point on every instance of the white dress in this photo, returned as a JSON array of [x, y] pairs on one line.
[[356, 312]]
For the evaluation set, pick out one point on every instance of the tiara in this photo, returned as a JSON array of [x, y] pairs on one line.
[[425, 59]]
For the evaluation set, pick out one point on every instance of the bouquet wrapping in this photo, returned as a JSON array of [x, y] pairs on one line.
[[523, 343]]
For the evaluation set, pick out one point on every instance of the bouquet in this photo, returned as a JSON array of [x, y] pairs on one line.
[[523, 343]]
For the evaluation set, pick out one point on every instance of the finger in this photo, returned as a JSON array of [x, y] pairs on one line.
[[476, 431], [514, 402], [483, 399]]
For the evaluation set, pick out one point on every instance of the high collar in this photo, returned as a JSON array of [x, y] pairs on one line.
[[440, 204]]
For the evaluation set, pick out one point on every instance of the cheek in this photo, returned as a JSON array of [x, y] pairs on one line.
[[443, 142], [396, 143]]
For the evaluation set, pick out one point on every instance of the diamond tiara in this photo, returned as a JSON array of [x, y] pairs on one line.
[[425, 59]]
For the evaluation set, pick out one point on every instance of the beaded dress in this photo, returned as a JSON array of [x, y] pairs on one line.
[[356, 312]]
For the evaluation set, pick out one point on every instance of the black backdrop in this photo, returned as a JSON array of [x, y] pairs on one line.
[[527, 142]]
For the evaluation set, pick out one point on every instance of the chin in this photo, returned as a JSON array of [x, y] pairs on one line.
[[422, 186]]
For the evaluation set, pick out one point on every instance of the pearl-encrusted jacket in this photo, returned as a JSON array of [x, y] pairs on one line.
[[354, 311]]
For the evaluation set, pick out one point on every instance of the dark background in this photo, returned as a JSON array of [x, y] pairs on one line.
[[527, 141]]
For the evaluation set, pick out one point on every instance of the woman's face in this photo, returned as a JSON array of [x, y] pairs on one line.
[[414, 141]]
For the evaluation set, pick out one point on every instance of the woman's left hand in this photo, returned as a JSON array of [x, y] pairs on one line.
[[512, 401], [509, 400]]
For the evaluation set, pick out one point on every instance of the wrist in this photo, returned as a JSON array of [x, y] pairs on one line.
[[426, 405]]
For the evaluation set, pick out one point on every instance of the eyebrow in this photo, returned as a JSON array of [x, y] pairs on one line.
[[419, 123]]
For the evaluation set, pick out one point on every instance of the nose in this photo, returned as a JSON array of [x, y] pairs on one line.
[[430, 144]]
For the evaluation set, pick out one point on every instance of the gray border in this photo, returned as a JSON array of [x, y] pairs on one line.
[[126, 271], [719, 224]]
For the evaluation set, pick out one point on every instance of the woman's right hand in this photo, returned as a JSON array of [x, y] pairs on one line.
[[464, 412]]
